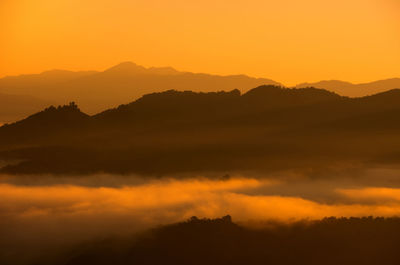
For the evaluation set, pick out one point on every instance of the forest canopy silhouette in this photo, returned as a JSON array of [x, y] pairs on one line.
[[220, 241], [331, 240], [267, 129]]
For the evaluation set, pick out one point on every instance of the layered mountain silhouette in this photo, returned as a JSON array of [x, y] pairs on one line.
[[355, 90], [267, 128], [97, 91]]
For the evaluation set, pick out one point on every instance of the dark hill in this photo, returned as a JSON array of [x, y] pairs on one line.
[[290, 96], [189, 105], [330, 241], [51, 121], [267, 128]]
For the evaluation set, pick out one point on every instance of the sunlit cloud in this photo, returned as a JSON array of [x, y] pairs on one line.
[[63, 215], [372, 194], [178, 200]]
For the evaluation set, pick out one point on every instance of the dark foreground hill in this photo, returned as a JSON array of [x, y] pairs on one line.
[[331, 241], [267, 128]]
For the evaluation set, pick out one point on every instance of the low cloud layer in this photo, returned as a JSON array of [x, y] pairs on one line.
[[41, 217]]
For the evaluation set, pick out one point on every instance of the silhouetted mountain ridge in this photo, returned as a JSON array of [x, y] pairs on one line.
[[130, 68], [97, 91], [328, 241], [182, 103], [355, 90], [50, 115], [51, 121], [267, 128]]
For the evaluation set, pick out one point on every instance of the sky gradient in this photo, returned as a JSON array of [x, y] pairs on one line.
[[289, 41]]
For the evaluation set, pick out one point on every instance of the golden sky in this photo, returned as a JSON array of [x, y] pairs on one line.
[[290, 41]]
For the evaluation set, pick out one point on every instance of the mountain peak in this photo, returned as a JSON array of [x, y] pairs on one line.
[[126, 68], [327, 84], [135, 69], [66, 114]]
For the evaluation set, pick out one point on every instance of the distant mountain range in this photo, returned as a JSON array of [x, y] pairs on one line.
[[267, 128], [96, 91], [355, 90]]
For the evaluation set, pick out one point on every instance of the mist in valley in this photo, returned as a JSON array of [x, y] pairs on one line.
[[42, 216]]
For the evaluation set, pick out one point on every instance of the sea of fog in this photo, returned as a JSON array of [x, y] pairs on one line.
[[44, 212]]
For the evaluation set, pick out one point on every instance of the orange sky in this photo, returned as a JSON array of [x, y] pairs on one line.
[[290, 41]]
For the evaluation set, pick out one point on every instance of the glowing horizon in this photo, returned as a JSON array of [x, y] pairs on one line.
[[288, 41]]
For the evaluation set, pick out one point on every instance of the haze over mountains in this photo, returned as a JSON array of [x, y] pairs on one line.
[[267, 128], [355, 90], [96, 91], [16, 107]]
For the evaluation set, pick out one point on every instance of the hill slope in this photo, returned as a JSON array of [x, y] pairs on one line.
[[267, 128], [220, 241]]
